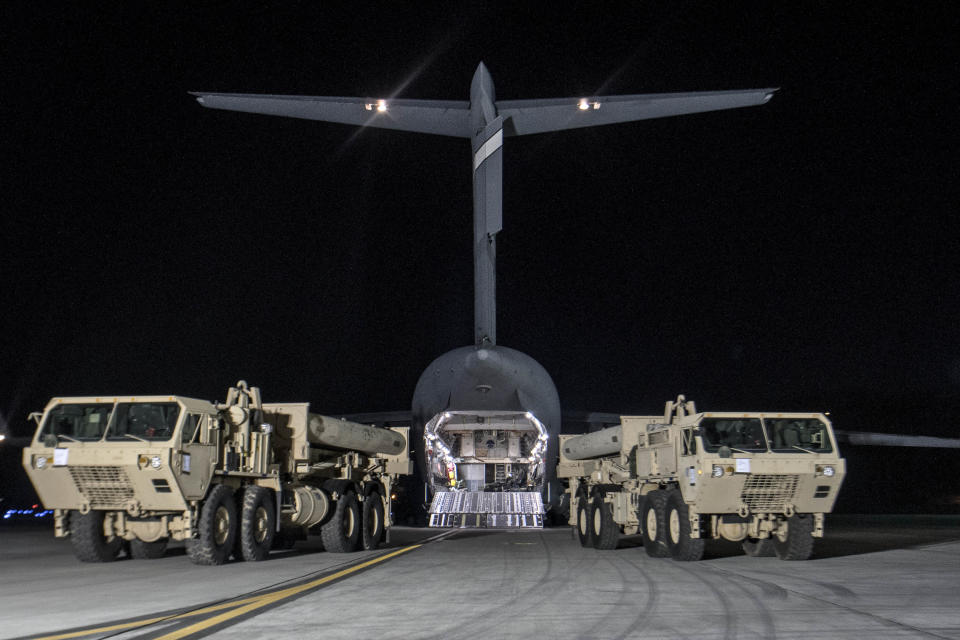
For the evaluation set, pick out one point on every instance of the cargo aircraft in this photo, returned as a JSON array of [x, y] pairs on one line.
[[485, 417]]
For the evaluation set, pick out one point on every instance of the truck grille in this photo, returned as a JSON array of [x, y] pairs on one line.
[[103, 487], [769, 492]]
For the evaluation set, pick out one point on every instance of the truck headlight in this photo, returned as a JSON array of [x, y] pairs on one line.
[[828, 471], [40, 462], [155, 462], [717, 471]]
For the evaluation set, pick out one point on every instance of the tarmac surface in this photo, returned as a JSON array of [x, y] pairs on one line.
[[873, 576]]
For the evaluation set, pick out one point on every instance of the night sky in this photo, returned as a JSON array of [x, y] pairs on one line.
[[801, 255]]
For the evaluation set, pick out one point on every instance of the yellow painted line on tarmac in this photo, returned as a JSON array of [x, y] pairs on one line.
[[148, 621], [239, 607], [277, 596]]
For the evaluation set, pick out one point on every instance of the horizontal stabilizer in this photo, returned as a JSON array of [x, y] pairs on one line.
[[452, 118], [445, 118], [556, 114]]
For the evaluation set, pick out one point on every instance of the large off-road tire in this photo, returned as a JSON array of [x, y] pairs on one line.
[[654, 524], [584, 519], [372, 532], [140, 550], [682, 547], [217, 529], [258, 523], [90, 544], [797, 544], [606, 532], [758, 547], [341, 533]]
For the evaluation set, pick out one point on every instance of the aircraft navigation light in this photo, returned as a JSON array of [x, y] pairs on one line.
[[585, 104], [379, 105], [3, 437]]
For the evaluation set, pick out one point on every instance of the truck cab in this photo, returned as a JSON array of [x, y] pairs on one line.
[[137, 457]]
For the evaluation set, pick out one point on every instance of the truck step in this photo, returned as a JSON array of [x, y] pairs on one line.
[[479, 509]]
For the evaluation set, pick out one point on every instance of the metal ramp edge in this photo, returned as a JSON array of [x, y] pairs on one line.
[[490, 510]]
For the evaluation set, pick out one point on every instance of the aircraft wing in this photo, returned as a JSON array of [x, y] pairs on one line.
[[446, 118], [555, 114], [394, 418], [14, 441], [895, 440], [452, 118]]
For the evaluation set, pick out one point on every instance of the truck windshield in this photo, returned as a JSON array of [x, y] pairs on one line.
[[791, 434], [77, 421], [745, 434], [144, 421]]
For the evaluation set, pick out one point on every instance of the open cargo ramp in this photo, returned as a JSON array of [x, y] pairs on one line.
[[480, 509]]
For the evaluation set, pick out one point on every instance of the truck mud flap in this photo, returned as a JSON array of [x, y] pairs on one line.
[[483, 510]]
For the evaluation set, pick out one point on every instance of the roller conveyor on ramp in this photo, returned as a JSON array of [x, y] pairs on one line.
[[480, 509]]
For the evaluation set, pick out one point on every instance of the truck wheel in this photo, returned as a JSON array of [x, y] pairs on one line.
[[217, 529], [682, 547], [606, 532], [758, 547], [342, 532], [90, 544], [584, 530], [372, 531], [654, 524], [258, 523], [797, 544], [140, 550]]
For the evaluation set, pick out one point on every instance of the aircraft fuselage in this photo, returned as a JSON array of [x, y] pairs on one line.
[[486, 418]]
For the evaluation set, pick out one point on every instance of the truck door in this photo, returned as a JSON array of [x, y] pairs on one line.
[[198, 455], [687, 462]]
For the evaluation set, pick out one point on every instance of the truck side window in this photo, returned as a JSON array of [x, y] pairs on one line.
[[689, 444], [190, 431], [691, 441]]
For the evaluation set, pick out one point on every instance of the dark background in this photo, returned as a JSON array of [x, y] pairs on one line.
[[801, 255]]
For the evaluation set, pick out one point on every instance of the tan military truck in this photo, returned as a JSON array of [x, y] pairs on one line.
[[231, 478], [765, 479]]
